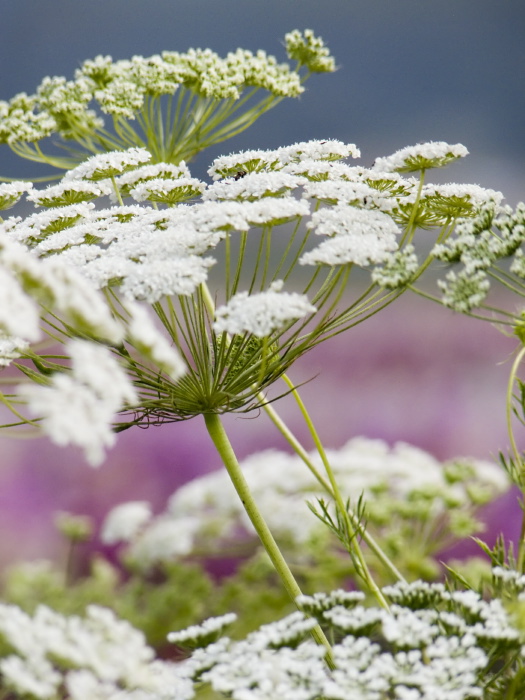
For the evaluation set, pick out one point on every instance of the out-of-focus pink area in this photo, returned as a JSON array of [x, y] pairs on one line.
[[415, 372]]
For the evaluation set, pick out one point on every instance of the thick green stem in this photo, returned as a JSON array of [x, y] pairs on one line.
[[225, 450]]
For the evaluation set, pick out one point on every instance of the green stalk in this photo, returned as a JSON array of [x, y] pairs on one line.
[[224, 448], [365, 572], [517, 456], [303, 454]]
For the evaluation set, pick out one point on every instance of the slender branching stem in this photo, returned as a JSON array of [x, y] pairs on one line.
[[292, 440], [518, 457]]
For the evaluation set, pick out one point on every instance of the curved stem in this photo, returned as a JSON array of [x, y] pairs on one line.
[[303, 454], [352, 527], [512, 379], [517, 456], [229, 459]]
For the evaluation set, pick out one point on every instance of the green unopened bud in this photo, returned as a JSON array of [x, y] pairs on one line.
[[77, 528]]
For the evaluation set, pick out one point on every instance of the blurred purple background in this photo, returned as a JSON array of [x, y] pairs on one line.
[[409, 72]]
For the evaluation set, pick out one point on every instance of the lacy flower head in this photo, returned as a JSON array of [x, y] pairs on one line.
[[244, 274], [174, 104]]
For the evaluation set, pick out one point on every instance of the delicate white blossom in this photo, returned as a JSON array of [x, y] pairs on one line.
[[434, 154], [261, 314], [107, 165], [125, 521]]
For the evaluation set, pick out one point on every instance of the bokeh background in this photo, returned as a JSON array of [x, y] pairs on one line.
[[409, 71]]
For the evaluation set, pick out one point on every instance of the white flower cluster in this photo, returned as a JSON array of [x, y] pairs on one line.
[[26, 282], [421, 653], [202, 635], [431, 643], [309, 51], [481, 246], [152, 253], [423, 156], [389, 478], [359, 236], [10, 193], [261, 314], [96, 656]]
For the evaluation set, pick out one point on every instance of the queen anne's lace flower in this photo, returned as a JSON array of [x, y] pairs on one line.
[[390, 479], [106, 165], [253, 186], [202, 635], [423, 156], [261, 314], [10, 193], [69, 193], [359, 236]]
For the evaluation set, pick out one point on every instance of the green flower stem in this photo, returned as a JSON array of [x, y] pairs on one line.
[[351, 528], [517, 455], [410, 227], [117, 191], [225, 450], [303, 454]]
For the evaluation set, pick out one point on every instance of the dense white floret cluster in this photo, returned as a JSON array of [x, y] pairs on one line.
[[54, 656], [423, 156], [261, 314], [431, 643]]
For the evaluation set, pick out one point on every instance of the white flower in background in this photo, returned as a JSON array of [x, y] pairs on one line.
[[78, 408], [261, 314], [165, 539], [33, 676], [389, 478], [125, 521]]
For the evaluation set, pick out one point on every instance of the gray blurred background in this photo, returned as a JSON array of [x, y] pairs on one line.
[[409, 71]]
